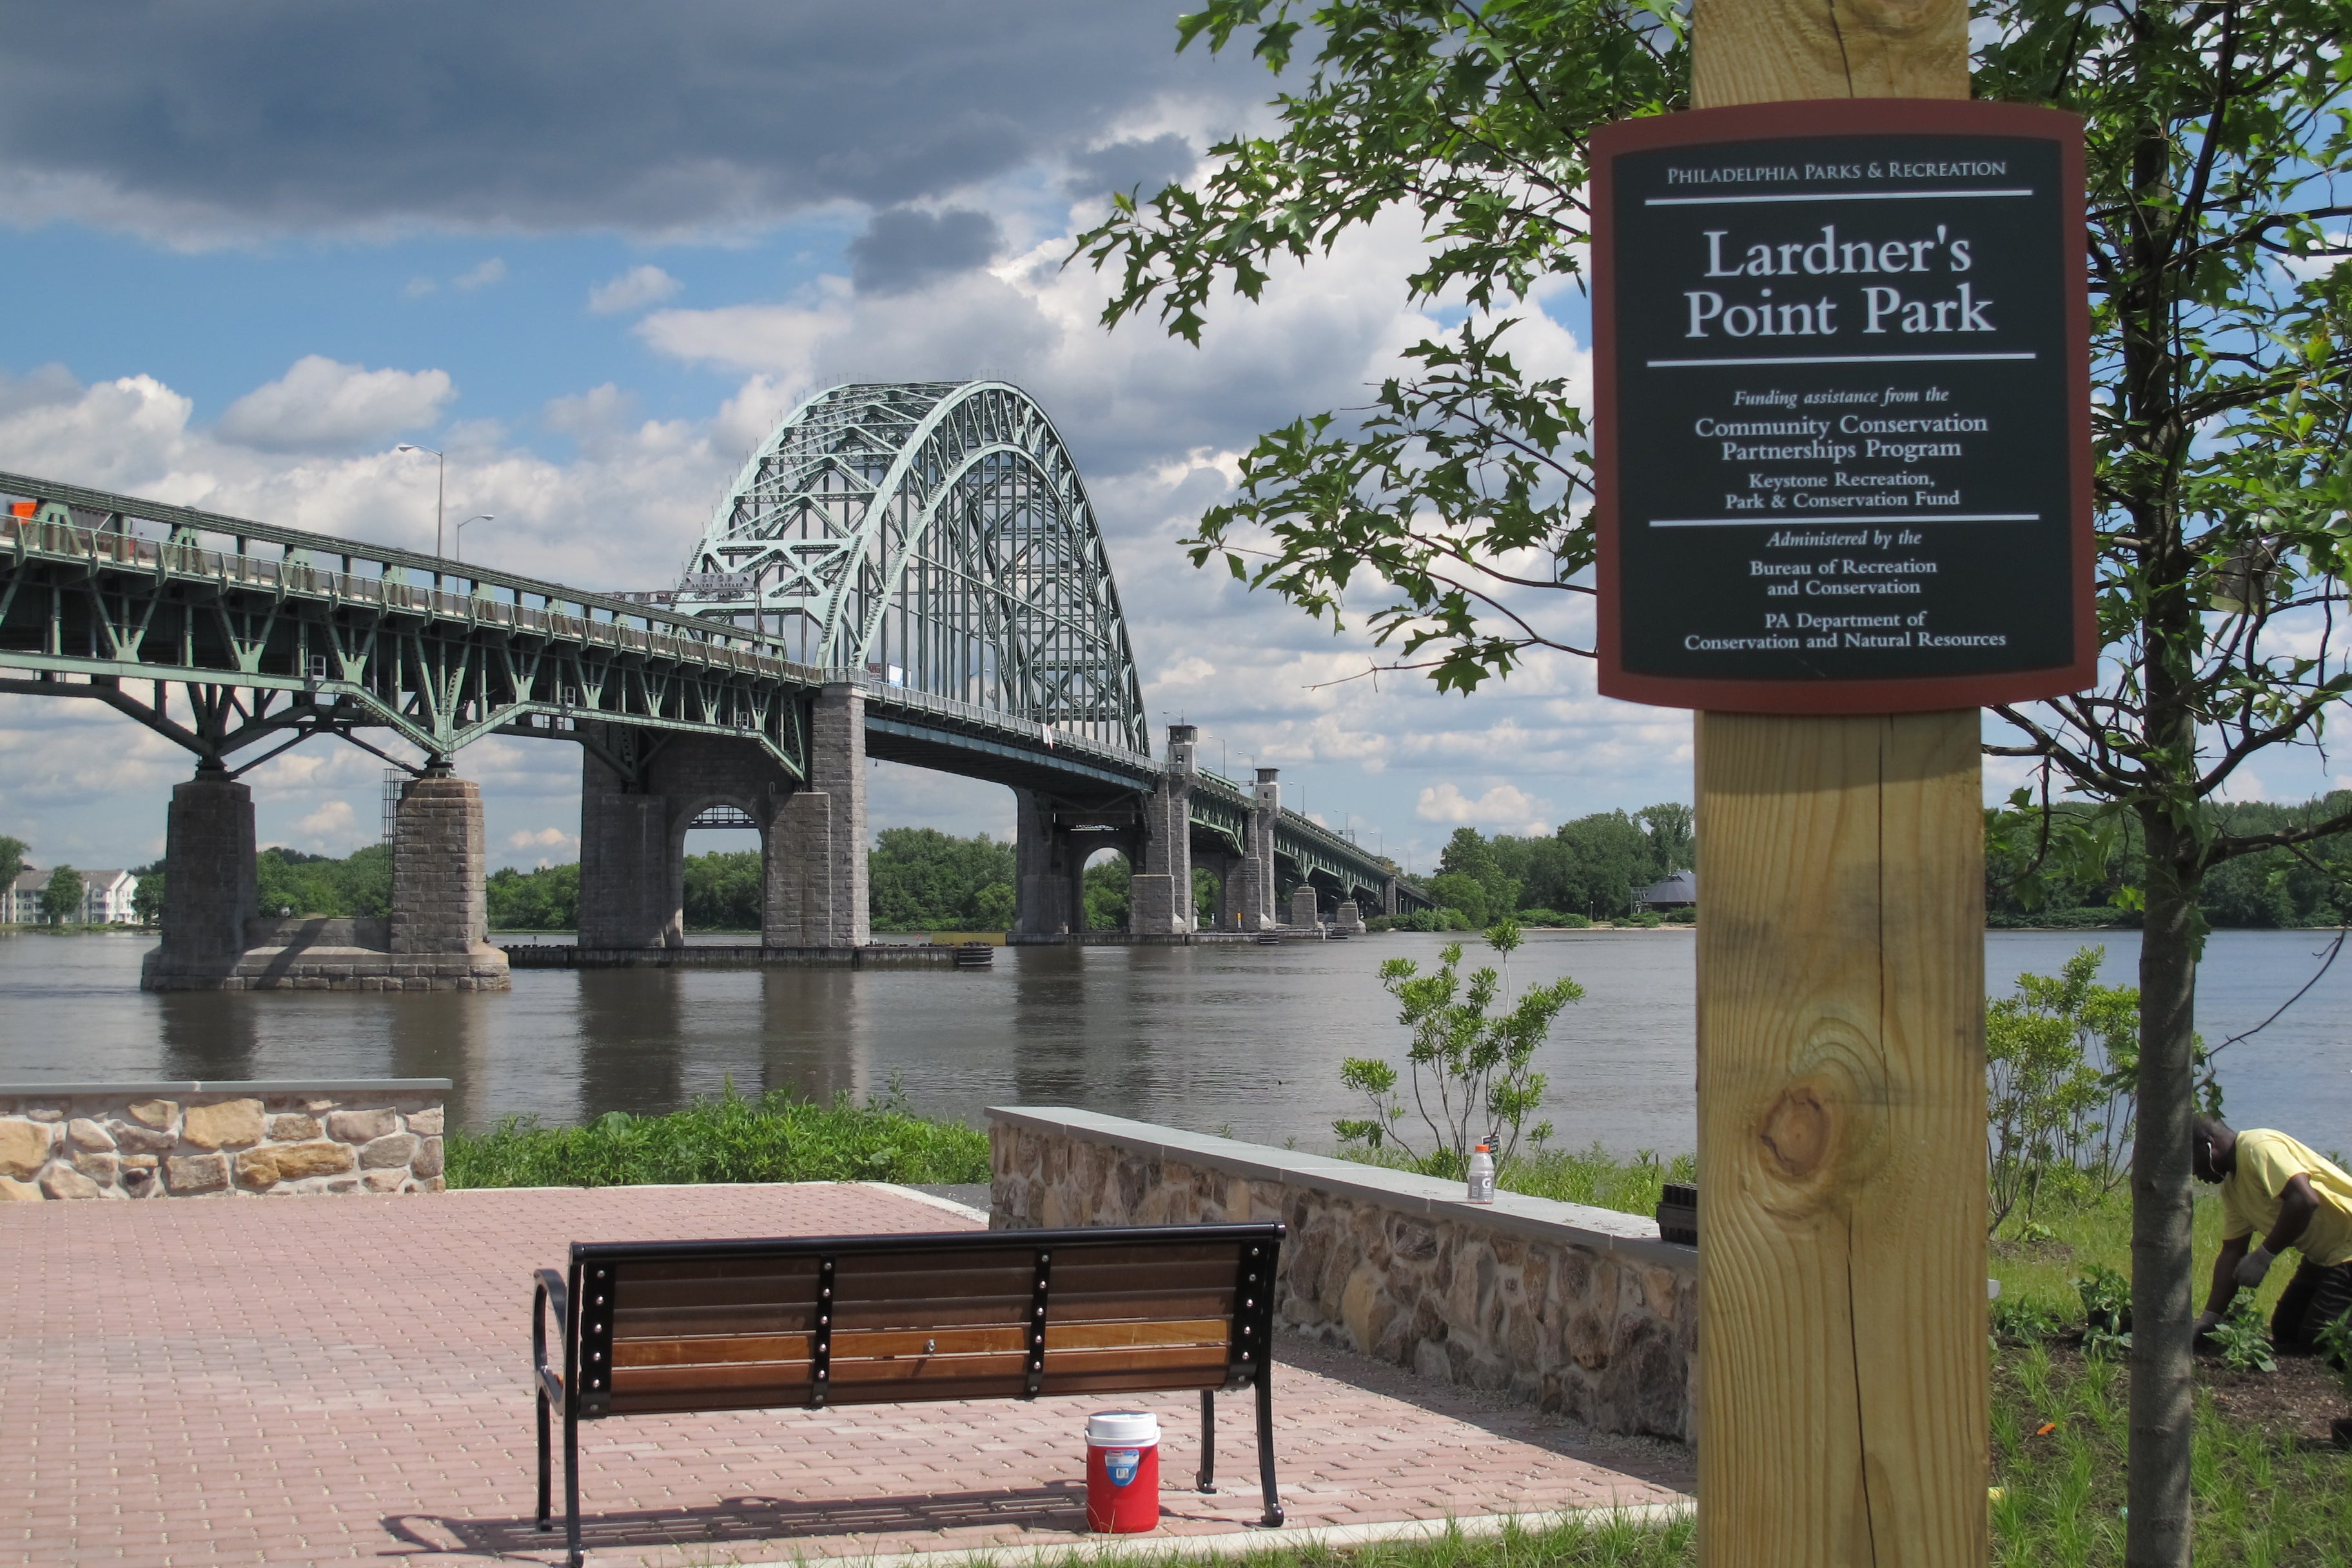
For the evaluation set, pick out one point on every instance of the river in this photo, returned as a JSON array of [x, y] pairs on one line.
[[1237, 1037]]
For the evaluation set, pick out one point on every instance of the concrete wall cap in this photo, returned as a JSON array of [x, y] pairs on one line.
[[233, 1087], [1598, 1230]]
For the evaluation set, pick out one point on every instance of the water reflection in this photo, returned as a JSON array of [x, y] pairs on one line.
[[1243, 1036]]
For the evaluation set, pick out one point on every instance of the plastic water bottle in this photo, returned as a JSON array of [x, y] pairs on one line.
[[1482, 1175]]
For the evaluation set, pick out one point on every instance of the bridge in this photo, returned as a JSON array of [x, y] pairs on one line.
[[909, 572]]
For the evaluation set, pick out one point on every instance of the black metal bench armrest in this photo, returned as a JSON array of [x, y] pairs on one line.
[[551, 1291]]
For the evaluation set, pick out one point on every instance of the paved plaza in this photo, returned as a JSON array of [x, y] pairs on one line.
[[289, 1381]]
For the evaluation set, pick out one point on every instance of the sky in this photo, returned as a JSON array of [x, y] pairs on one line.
[[592, 252]]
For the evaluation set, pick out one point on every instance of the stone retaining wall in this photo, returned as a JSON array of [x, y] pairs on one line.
[[217, 1140], [1575, 1309]]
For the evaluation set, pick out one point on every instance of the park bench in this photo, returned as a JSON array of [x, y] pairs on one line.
[[691, 1327]]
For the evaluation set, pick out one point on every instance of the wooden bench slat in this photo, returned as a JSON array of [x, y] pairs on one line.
[[678, 1322], [654, 1270], [1161, 1380], [638, 1294], [1207, 1331]]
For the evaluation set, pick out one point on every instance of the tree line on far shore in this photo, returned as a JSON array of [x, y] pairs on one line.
[[1594, 867]]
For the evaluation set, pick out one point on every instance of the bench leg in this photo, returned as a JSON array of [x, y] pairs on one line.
[[1273, 1518], [1206, 1482], [545, 1457], [571, 1488]]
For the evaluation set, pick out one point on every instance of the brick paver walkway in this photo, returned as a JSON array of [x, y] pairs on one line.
[[323, 1380]]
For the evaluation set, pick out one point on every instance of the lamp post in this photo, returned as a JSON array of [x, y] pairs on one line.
[[484, 517], [440, 490]]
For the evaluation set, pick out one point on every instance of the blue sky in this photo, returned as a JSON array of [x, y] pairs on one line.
[[594, 250]]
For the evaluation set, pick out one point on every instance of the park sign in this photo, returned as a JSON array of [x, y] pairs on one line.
[[1843, 455]]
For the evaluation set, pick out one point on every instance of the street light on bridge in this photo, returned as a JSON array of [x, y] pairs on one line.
[[483, 517], [440, 490]]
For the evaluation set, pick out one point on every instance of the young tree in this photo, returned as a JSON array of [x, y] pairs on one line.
[[12, 860], [61, 897], [1455, 503]]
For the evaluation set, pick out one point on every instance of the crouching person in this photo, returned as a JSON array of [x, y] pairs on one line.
[[2273, 1185]]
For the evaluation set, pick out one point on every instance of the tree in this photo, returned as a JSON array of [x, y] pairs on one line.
[[1469, 1068], [545, 899], [1674, 842], [1106, 894], [723, 890], [1456, 499], [919, 879], [12, 860], [147, 897], [61, 896]]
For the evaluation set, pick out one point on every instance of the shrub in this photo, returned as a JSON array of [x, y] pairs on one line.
[[2061, 1057], [1472, 1063], [777, 1137]]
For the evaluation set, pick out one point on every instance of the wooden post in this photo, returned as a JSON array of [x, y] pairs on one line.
[[1843, 1380]]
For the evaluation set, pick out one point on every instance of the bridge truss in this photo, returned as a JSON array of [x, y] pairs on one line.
[[934, 535], [225, 635]]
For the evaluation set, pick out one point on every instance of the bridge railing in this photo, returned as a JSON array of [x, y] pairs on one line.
[[1052, 737], [168, 540]]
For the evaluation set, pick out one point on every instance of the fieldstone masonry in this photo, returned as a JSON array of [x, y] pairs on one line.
[[1579, 1311], [220, 1140]]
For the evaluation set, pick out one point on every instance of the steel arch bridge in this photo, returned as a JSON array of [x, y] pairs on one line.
[[936, 535], [929, 543]]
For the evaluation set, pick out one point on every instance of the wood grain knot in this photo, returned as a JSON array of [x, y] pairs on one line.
[[1798, 1131]]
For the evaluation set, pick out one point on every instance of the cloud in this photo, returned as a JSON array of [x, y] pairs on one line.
[[245, 117], [542, 838], [321, 404], [1504, 805], [1133, 165], [632, 290], [903, 250], [335, 826], [481, 275], [2309, 267]]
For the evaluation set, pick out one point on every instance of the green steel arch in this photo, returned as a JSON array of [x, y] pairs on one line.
[[934, 535]]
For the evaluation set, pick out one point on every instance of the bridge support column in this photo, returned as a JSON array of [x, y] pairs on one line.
[[439, 924], [1049, 894], [1224, 868], [209, 890], [1389, 897], [631, 876], [816, 894], [1306, 907], [1160, 892], [1351, 916], [1254, 894]]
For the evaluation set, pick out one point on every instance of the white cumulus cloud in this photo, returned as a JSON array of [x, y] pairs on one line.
[[1504, 806], [632, 290], [481, 275], [322, 404]]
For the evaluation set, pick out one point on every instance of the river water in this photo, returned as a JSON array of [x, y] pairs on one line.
[[1236, 1036]]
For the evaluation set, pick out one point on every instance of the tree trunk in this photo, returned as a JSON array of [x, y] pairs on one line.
[[2157, 1533]]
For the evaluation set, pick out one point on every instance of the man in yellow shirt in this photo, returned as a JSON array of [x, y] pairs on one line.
[[2272, 1184]]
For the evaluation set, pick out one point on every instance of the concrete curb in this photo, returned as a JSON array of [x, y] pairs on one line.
[[1155, 1548]]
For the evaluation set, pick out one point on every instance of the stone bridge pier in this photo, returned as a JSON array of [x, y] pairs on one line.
[[434, 937], [811, 835], [1160, 892], [1252, 892]]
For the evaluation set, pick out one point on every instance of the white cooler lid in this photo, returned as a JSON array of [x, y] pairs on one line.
[[1122, 1428]]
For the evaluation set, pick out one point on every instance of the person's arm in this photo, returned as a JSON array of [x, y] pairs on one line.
[[2297, 1204], [2225, 1283]]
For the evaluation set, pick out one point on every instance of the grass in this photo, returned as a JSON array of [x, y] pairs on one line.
[[2262, 1499], [777, 1137], [1597, 1540], [2038, 1275]]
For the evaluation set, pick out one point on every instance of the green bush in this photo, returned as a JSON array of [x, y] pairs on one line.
[[2061, 1057], [777, 1137], [1469, 1067], [1644, 918]]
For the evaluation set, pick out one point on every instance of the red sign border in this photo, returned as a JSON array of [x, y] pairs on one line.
[[1840, 117]]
